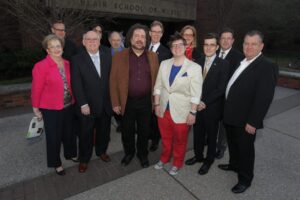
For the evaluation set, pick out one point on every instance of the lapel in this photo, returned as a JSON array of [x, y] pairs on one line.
[[211, 69], [249, 68], [90, 64], [180, 73], [102, 57]]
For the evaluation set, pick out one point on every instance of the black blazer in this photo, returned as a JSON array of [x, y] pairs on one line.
[[251, 94], [163, 53], [196, 55], [213, 87], [70, 50], [87, 85], [234, 58]]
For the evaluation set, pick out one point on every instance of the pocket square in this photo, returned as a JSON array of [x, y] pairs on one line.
[[185, 74]]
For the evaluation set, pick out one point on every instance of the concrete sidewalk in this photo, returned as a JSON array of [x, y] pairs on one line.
[[24, 174]]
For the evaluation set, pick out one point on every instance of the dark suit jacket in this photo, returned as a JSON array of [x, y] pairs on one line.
[[87, 85], [251, 94], [213, 87], [70, 50], [163, 53], [196, 54], [119, 77], [234, 58]]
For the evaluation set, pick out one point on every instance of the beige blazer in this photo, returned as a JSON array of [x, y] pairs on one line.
[[185, 90]]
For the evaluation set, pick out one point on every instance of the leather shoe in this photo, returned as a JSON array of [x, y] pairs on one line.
[[219, 154], [204, 168], [227, 167], [193, 160], [144, 162], [82, 167], [126, 159], [105, 157], [153, 147], [239, 188]]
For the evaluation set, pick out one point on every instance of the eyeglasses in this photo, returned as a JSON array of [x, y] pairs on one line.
[[156, 32], [91, 39], [179, 45], [188, 35], [209, 45], [55, 47], [57, 29]]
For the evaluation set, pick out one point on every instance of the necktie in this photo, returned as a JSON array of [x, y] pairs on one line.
[[205, 70], [222, 54], [151, 48], [95, 59]]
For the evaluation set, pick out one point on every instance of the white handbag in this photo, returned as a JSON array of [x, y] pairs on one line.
[[36, 128]]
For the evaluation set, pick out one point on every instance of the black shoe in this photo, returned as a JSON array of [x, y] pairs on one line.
[[153, 147], [193, 160], [239, 188], [227, 167], [127, 159], [219, 154], [144, 162], [204, 168]]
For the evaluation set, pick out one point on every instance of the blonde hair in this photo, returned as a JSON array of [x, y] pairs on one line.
[[51, 37], [194, 42]]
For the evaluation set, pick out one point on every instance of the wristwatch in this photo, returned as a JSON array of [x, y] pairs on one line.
[[193, 112]]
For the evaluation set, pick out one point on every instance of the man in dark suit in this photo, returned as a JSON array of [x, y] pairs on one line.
[[90, 83], [58, 28], [163, 53], [215, 72], [249, 93], [234, 57]]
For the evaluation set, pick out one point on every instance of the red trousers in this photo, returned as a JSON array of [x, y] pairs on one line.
[[174, 138]]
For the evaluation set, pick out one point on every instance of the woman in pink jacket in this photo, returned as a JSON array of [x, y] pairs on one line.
[[51, 96]]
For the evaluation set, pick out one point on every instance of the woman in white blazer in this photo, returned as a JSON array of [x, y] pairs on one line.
[[177, 93]]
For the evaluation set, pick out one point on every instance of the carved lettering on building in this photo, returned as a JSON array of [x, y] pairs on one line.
[[138, 7]]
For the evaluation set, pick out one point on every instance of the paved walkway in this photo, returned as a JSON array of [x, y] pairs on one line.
[[24, 175]]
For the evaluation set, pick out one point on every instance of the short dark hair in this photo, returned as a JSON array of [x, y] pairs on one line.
[[255, 32], [176, 36], [132, 29], [211, 36], [227, 30], [157, 23], [57, 21]]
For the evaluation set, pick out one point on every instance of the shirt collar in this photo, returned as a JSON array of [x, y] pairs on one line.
[[92, 55], [250, 61]]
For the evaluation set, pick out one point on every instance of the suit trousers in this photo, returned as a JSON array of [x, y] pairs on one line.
[[58, 129], [174, 137], [101, 125], [205, 128], [241, 152], [222, 140], [137, 112]]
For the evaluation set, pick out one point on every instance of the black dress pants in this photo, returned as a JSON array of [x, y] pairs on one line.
[[205, 128], [241, 152], [58, 130], [137, 111], [101, 124]]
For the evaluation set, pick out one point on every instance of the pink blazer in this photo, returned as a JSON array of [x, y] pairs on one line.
[[47, 90]]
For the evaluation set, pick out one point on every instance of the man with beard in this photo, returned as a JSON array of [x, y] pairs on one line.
[[132, 78]]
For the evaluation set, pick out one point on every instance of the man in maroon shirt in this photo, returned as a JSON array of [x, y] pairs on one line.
[[132, 78]]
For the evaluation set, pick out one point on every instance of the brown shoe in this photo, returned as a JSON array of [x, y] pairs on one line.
[[105, 157], [82, 167]]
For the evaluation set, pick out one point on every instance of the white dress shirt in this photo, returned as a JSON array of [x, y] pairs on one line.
[[225, 53], [96, 60], [244, 64], [155, 46]]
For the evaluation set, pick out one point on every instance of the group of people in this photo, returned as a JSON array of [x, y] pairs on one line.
[[154, 92]]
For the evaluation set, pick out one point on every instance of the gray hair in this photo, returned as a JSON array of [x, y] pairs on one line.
[[51, 37]]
